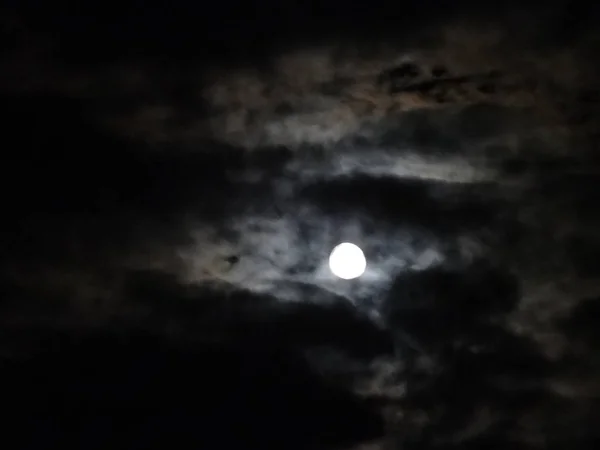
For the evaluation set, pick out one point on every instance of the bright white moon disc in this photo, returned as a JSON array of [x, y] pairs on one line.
[[347, 261]]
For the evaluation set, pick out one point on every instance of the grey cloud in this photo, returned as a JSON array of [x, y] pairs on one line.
[[200, 204]]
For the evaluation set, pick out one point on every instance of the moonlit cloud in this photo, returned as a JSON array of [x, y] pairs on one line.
[[174, 207]]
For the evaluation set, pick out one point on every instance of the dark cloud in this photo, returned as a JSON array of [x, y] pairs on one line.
[[174, 183], [122, 391]]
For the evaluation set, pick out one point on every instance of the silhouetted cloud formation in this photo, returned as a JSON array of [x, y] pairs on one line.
[[174, 184]]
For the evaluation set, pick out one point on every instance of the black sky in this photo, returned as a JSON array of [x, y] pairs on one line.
[[175, 177]]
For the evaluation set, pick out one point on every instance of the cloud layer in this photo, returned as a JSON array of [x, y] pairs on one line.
[[169, 219]]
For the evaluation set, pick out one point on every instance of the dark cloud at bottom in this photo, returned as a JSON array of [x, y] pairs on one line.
[[134, 391]]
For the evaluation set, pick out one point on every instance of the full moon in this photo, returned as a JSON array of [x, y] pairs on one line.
[[347, 261]]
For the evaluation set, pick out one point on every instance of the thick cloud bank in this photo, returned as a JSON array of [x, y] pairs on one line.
[[171, 199]]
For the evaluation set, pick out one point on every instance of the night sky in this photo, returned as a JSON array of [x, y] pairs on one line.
[[175, 177]]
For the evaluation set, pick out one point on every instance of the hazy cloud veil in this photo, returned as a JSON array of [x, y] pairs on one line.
[[171, 215]]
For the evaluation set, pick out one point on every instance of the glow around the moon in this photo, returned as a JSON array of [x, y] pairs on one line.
[[347, 261]]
